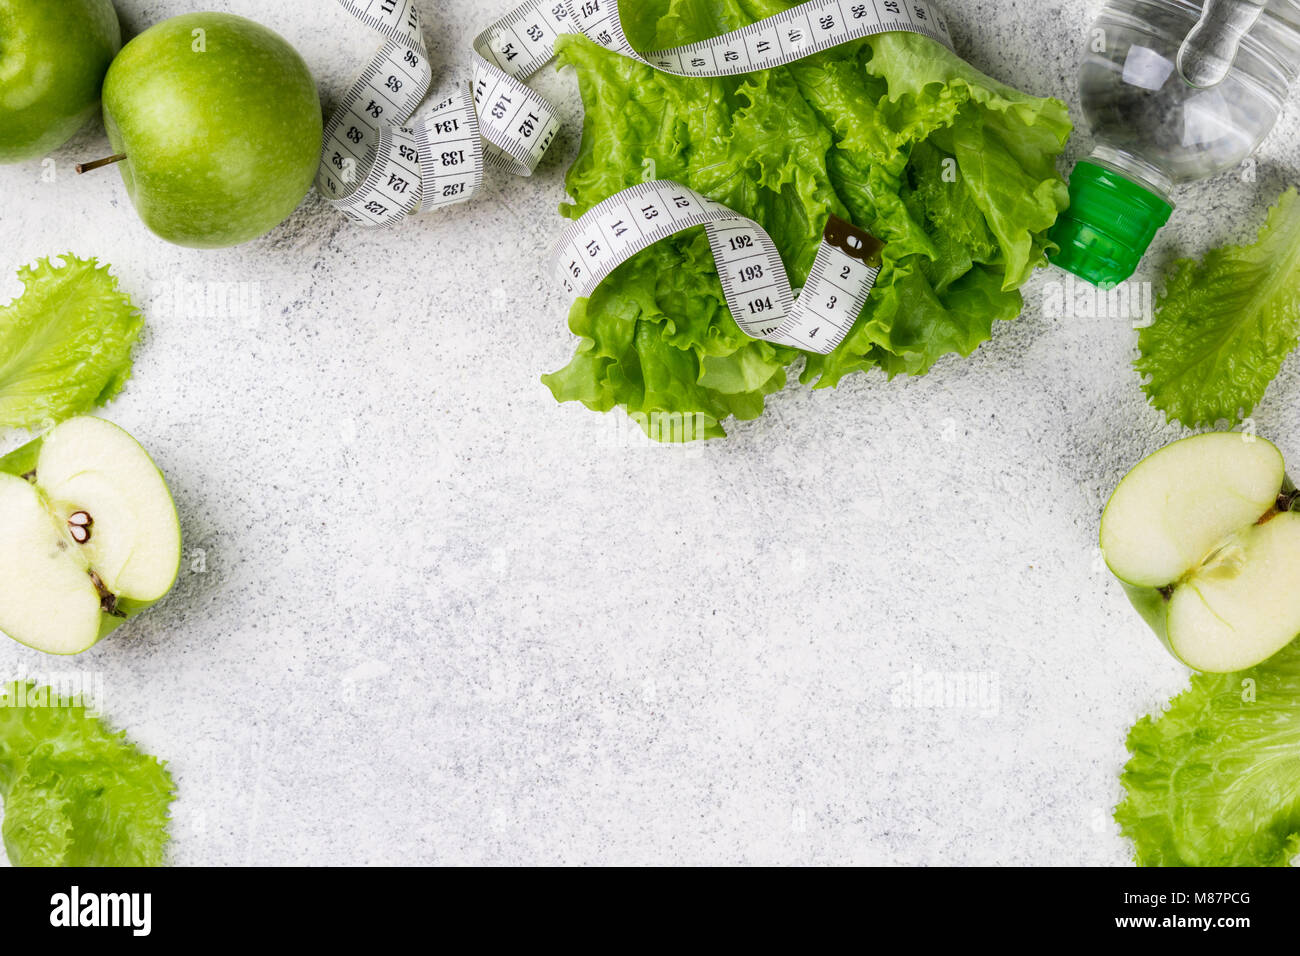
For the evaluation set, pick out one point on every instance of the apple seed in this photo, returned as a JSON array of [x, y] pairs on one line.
[[79, 525]]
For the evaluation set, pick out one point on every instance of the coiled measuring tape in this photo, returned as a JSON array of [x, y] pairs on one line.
[[377, 169]]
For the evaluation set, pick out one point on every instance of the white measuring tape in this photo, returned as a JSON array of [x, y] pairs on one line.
[[775, 41], [377, 169], [753, 277]]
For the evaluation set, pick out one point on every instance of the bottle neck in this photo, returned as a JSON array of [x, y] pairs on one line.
[[1112, 217], [1147, 176]]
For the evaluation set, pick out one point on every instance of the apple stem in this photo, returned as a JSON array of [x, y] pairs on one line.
[[107, 599], [106, 161]]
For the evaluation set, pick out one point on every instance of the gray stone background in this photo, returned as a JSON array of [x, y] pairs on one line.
[[429, 616]]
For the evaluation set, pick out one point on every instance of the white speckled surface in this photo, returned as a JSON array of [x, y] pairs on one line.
[[429, 616]]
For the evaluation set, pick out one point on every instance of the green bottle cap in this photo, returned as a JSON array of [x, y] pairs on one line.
[[1110, 222]]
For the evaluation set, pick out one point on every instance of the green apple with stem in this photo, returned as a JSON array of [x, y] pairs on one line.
[[53, 56], [91, 536], [216, 128], [1204, 534]]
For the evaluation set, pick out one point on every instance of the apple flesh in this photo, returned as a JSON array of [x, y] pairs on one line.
[[53, 56], [219, 123], [91, 536], [1203, 536]]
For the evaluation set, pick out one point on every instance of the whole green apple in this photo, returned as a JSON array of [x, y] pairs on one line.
[[220, 126], [53, 55]]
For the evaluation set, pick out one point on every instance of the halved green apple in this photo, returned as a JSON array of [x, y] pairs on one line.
[[91, 536], [1203, 536]]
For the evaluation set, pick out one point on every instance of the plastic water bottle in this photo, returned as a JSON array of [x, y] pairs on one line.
[[1174, 91]]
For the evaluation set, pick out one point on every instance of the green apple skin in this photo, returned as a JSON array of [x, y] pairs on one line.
[[20, 462], [111, 622], [53, 56], [220, 122], [1154, 608]]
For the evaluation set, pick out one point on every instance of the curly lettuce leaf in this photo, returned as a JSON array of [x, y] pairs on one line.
[[954, 170], [1224, 324], [65, 342], [75, 793], [1215, 781]]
